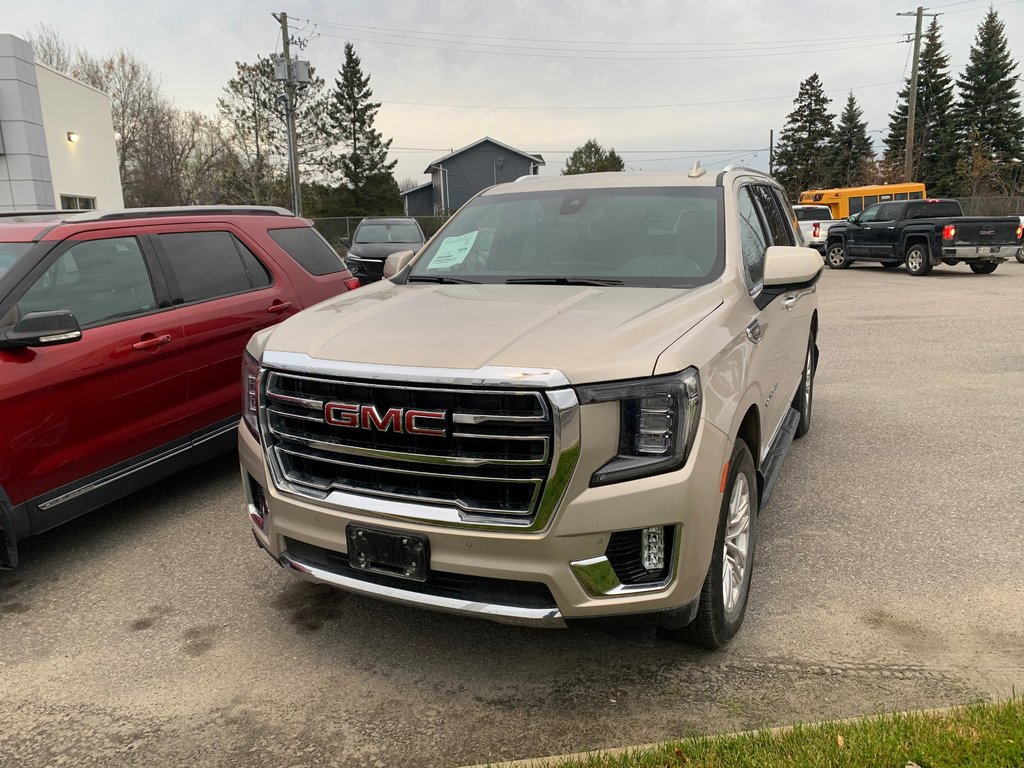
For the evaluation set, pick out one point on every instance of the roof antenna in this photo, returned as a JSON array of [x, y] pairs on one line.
[[697, 171]]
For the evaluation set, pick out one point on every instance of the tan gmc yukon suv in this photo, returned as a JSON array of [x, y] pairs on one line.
[[570, 404]]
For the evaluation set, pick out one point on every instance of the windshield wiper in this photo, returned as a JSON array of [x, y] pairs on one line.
[[441, 279], [562, 281]]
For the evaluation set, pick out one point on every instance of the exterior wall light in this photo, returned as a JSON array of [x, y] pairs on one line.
[[72, 137]]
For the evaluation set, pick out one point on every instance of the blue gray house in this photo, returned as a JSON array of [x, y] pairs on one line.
[[459, 175]]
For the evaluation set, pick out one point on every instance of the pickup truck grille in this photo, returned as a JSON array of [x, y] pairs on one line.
[[485, 452]]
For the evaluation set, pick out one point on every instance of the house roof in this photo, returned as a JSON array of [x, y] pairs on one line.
[[535, 158], [417, 189]]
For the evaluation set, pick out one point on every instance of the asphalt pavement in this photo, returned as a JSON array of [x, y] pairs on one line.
[[888, 575]]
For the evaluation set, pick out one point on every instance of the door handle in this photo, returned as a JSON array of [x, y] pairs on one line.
[[754, 332], [152, 342], [789, 301], [279, 306]]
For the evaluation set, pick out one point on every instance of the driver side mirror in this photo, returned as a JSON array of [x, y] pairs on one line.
[[786, 265], [854, 219], [43, 329], [396, 262]]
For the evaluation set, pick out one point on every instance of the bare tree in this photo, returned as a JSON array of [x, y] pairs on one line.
[[51, 49], [408, 183]]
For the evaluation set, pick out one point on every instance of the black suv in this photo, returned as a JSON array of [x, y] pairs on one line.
[[376, 239]]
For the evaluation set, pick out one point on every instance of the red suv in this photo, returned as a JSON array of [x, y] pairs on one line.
[[121, 338]]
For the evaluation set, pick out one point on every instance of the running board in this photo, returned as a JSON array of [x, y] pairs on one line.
[[772, 464]]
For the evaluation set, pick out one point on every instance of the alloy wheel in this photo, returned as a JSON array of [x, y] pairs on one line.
[[737, 545]]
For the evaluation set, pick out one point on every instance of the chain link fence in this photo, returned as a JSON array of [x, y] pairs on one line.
[[341, 228]]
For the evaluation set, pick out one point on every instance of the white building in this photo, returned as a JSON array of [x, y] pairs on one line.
[[56, 137]]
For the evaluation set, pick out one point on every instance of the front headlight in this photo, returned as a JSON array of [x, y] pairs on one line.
[[657, 424], [251, 393]]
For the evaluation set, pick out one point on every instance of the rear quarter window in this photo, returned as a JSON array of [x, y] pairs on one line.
[[309, 249]]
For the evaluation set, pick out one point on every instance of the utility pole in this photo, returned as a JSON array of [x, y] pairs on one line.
[[908, 159], [288, 78], [771, 151]]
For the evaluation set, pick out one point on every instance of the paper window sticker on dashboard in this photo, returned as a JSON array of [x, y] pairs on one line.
[[453, 251]]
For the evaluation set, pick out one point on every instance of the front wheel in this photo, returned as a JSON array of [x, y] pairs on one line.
[[805, 394], [919, 263], [723, 598], [984, 267], [835, 257]]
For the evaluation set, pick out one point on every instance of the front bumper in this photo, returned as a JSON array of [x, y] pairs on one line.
[[565, 561]]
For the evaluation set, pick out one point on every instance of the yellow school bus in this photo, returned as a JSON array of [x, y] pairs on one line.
[[846, 201]]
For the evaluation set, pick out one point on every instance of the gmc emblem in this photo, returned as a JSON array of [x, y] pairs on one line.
[[407, 420]]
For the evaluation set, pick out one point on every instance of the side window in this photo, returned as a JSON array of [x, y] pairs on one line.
[[753, 241], [917, 195], [774, 217], [871, 214], [856, 205], [208, 265], [309, 249], [887, 212], [98, 280]]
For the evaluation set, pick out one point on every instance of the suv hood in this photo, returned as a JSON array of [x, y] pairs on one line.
[[589, 333]]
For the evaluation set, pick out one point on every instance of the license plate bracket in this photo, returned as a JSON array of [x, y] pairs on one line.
[[389, 553]]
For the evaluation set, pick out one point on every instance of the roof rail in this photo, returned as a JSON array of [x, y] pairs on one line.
[[181, 210], [735, 167]]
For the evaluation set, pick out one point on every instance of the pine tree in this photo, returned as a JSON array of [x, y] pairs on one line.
[[591, 157], [851, 156], [800, 159], [364, 164], [935, 151], [990, 119]]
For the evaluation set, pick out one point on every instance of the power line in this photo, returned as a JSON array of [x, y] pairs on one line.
[[981, 6], [531, 54], [816, 40], [632, 106]]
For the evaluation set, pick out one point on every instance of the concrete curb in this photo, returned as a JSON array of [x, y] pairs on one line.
[[550, 760]]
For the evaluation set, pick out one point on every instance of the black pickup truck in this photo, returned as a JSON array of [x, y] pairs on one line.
[[921, 234]]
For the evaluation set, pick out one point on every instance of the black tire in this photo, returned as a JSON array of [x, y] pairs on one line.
[[919, 263], [950, 262], [983, 267], [835, 256], [715, 625], [1020, 256], [890, 264], [804, 399]]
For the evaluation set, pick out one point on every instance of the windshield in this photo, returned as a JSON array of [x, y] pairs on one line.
[[388, 233], [813, 214], [658, 236], [9, 253]]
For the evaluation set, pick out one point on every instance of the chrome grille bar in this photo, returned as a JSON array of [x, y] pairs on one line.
[[502, 460]]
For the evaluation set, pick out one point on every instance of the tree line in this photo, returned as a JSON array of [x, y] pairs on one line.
[[968, 133], [239, 155]]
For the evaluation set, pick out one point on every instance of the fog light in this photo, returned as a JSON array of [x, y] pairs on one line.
[[652, 548]]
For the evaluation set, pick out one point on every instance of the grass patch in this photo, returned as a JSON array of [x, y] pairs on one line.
[[977, 735]]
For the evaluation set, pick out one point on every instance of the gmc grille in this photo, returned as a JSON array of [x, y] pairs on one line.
[[491, 464]]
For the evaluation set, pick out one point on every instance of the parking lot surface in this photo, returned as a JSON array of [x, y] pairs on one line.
[[888, 575]]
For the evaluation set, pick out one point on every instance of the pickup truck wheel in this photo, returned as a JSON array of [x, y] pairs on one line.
[[805, 394], [950, 262], [984, 267], [1020, 256], [919, 263], [835, 257], [723, 598], [890, 264]]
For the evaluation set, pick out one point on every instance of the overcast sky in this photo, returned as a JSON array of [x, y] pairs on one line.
[[661, 81]]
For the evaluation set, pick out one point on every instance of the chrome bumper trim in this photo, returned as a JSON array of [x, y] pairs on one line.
[[503, 614]]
